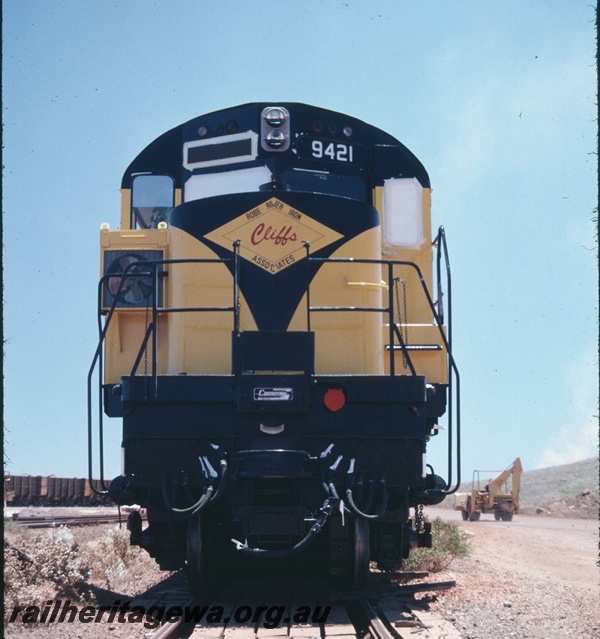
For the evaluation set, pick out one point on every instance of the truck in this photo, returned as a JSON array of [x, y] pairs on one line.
[[499, 495]]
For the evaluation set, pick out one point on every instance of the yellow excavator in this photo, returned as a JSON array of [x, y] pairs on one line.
[[499, 496]]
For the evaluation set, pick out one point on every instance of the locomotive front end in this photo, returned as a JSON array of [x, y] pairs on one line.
[[272, 344]]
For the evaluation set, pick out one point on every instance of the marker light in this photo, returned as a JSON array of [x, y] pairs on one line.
[[334, 399], [348, 131], [275, 139], [274, 117]]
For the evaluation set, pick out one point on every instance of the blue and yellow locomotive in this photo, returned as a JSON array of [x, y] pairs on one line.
[[272, 339]]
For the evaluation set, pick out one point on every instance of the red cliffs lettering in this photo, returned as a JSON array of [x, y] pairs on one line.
[[269, 234]]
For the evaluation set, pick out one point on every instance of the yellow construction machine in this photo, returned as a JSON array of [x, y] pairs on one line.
[[499, 495]]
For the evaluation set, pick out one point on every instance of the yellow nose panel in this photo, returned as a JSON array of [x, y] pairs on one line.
[[273, 234]]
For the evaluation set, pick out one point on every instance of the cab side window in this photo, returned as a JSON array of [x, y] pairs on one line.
[[152, 200]]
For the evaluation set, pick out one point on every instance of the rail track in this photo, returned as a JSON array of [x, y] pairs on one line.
[[259, 609], [52, 518], [303, 610]]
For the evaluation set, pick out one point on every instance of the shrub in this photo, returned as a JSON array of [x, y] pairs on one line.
[[112, 560], [38, 567], [448, 543]]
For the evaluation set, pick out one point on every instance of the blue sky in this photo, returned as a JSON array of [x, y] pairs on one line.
[[497, 99]]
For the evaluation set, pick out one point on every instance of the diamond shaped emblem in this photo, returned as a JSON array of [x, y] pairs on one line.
[[272, 235]]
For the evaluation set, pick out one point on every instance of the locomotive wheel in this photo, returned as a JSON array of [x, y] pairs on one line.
[[465, 515], [361, 554], [507, 517], [195, 568], [474, 516]]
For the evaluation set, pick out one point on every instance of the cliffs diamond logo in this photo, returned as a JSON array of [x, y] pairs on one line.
[[272, 235]]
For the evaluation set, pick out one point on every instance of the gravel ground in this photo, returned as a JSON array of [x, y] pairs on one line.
[[533, 578]]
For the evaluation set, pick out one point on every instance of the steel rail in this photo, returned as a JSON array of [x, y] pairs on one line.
[[54, 522]]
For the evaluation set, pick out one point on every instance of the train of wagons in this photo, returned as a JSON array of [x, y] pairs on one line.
[[38, 490], [274, 333]]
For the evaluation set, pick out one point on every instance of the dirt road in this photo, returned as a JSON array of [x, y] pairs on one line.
[[534, 578]]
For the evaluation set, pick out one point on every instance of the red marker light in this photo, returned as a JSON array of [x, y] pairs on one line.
[[334, 399]]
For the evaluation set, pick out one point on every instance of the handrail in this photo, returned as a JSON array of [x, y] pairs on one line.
[[452, 369], [440, 243], [150, 330], [442, 248], [389, 310]]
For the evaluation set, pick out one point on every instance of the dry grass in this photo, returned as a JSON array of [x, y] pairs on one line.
[[41, 566]]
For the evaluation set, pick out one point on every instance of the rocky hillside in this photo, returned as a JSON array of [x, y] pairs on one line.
[[570, 490]]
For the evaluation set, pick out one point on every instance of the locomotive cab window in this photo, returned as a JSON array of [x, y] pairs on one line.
[[152, 200], [323, 182]]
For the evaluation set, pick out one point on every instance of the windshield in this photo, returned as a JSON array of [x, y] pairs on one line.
[[321, 182]]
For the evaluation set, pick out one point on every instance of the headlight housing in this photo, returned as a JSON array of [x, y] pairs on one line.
[[275, 129]]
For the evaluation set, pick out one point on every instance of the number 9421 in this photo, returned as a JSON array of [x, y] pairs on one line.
[[332, 151]]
